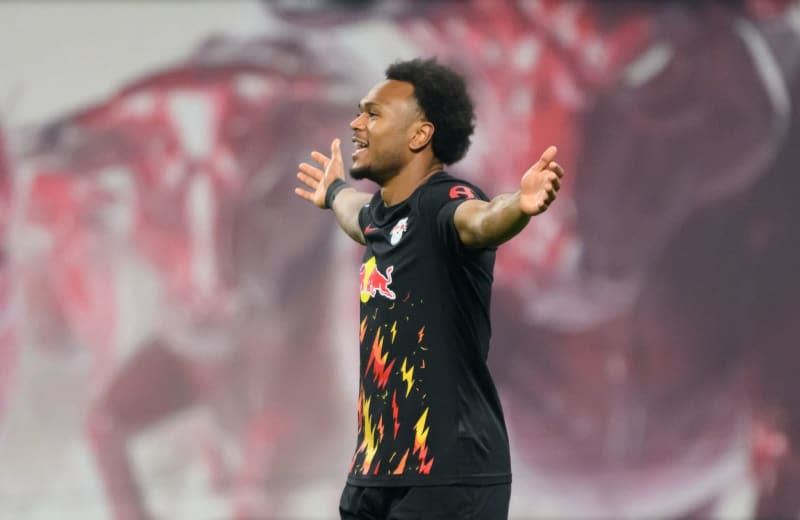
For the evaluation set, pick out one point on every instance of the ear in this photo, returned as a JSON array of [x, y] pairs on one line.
[[422, 133]]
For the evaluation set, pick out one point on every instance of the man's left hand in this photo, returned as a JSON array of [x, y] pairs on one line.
[[541, 183]]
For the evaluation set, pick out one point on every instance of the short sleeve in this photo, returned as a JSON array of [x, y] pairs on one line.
[[363, 213], [445, 225], [445, 199]]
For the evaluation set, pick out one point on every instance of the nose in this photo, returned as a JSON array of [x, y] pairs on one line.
[[358, 122]]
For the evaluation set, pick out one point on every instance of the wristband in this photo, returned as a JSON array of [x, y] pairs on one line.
[[333, 190]]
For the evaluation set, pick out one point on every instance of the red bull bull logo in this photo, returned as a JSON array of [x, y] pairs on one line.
[[373, 282]]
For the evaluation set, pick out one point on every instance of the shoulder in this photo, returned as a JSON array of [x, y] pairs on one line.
[[375, 203], [367, 211], [444, 188]]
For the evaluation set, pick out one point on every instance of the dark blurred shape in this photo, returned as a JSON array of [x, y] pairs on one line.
[[206, 149]]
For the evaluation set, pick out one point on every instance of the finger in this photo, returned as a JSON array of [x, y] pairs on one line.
[[336, 151], [311, 171], [548, 155], [556, 183], [308, 181], [320, 158], [303, 194], [543, 206], [556, 168], [545, 160]]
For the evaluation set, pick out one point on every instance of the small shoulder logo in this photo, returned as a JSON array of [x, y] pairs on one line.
[[398, 230], [461, 192]]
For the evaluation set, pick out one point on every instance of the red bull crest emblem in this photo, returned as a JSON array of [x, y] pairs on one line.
[[373, 282], [398, 230]]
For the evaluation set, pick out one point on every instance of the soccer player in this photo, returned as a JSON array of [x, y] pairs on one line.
[[432, 441]]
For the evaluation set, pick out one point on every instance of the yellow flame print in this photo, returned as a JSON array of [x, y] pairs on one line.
[[408, 376]]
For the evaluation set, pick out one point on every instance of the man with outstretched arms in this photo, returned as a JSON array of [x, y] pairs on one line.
[[432, 441]]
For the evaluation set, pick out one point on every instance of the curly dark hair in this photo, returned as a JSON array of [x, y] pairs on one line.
[[442, 95]]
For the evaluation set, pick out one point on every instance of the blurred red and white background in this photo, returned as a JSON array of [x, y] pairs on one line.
[[178, 331]]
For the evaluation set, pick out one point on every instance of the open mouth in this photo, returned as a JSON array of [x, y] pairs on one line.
[[359, 146]]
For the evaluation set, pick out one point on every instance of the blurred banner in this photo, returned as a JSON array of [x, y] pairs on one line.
[[178, 331]]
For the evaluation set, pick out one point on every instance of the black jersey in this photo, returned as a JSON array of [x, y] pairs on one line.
[[428, 411]]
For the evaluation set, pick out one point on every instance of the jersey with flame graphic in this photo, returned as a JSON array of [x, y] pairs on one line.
[[428, 412]]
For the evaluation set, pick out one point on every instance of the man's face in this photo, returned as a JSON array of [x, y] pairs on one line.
[[381, 132]]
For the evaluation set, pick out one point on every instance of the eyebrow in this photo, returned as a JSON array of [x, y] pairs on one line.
[[365, 105]]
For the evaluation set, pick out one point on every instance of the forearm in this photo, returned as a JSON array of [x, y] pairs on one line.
[[490, 224], [346, 207]]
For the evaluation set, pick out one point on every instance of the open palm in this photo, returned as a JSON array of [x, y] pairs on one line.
[[316, 180], [540, 184]]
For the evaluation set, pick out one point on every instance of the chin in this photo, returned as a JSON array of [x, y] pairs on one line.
[[361, 173], [378, 176]]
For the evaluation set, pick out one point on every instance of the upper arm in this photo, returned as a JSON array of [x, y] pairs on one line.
[[347, 206], [460, 209], [467, 220]]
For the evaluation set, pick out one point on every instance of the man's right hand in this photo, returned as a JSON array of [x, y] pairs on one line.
[[317, 181], [348, 202]]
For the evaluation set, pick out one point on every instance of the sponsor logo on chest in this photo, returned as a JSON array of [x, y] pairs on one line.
[[374, 282]]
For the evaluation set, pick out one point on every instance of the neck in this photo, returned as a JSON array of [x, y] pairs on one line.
[[401, 186]]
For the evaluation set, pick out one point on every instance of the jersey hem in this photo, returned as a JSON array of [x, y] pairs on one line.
[[404, 481]]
